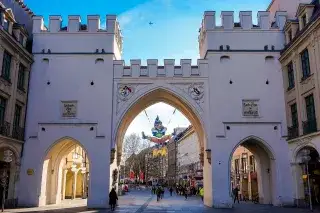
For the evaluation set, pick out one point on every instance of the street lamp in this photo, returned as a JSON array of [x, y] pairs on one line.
[[7, 158], [305, 158]]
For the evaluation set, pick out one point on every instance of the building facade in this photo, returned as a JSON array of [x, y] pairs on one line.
[[173, 155], [15, 64], [246, 113], [188, 157], [301, 69], [244, 173]]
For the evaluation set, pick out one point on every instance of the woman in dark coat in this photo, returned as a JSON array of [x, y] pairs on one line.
[[113, 197]]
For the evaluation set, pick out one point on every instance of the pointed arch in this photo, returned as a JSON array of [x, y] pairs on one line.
[[149, 96]]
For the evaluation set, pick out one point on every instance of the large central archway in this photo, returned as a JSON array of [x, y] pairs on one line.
[[186, 107]]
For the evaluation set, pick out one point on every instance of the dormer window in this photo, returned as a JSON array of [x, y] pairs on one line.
[[21, 39], [304, 20], [6, 25]]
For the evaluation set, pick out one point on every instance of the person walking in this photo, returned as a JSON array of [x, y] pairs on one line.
[[158, 192], [201, 192], [113, 197], [185, 192], [171, 190], [236, 195]]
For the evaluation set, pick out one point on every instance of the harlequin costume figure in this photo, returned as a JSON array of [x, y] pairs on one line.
[[159, 137], [158, 132]]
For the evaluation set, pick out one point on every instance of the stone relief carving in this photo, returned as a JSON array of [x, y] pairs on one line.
[[194, 90], [125, 91]]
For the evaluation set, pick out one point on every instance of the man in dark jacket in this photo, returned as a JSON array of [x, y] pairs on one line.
[[113, 197]]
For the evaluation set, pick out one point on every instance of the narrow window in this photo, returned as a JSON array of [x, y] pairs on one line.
[[3, 104], [6, 24], [290, 76], [304, 20], [21, 77], [305, 64], [294, 115], [6, 65], [17, 116], [310, 125]]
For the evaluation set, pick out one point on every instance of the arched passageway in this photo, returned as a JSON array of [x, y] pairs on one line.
[[65, 172], [307, 164], [187, 108], [9, 171], [252, 169]]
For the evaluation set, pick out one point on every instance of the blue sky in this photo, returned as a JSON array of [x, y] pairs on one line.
[[176, 22]]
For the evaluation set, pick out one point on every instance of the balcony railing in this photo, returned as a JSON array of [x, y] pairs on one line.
[[293, 132], [18, 133], [5, 128], [309, 126]]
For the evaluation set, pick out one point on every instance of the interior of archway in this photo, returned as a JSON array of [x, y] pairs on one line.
[[65, 173], [311, 167], [169, 98], [252, 172]]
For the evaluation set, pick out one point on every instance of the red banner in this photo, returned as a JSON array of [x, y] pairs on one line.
[[131, 175], [141, 175]]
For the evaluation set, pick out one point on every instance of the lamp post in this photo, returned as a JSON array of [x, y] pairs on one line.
[[7, 158], [305, 158]]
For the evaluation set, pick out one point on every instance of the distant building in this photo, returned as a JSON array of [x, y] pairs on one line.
[[172, 156], [188, 157], [243, 173]]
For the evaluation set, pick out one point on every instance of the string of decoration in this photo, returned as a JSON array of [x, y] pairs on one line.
[[174, 111], [145, 112]]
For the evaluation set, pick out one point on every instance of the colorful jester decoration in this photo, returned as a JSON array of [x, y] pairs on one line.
[[159, 137]]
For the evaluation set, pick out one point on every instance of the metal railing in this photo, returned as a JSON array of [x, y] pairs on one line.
[[5, 128], [293, 132], [309, 126], [18, 133]]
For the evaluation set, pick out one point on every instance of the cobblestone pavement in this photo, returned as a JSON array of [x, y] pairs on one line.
[[143, 202]]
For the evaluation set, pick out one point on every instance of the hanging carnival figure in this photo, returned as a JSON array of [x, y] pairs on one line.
[[159, 137]]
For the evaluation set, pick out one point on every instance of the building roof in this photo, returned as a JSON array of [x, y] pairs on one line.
[[314, 18]]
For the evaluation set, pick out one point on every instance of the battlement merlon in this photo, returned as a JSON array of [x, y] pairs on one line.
[[243, 36], [184, 70], [74, 24], [79, 31], [246, 22]]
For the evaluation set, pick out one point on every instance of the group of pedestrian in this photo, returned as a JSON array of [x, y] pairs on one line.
[[159, 191]]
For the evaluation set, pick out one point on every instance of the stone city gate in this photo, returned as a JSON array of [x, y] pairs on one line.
[[83, 97]]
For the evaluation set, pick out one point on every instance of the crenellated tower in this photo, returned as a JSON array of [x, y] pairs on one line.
[[76, 37], [241, 36]]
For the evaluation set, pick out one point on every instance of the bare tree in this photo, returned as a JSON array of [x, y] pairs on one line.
[[133, 144]]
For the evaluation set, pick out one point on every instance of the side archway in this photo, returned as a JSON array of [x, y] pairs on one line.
[[62, 161], [302, 169], [260, 170]]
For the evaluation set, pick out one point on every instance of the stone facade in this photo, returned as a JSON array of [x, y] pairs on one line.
[[15, 64], [300, 66]]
